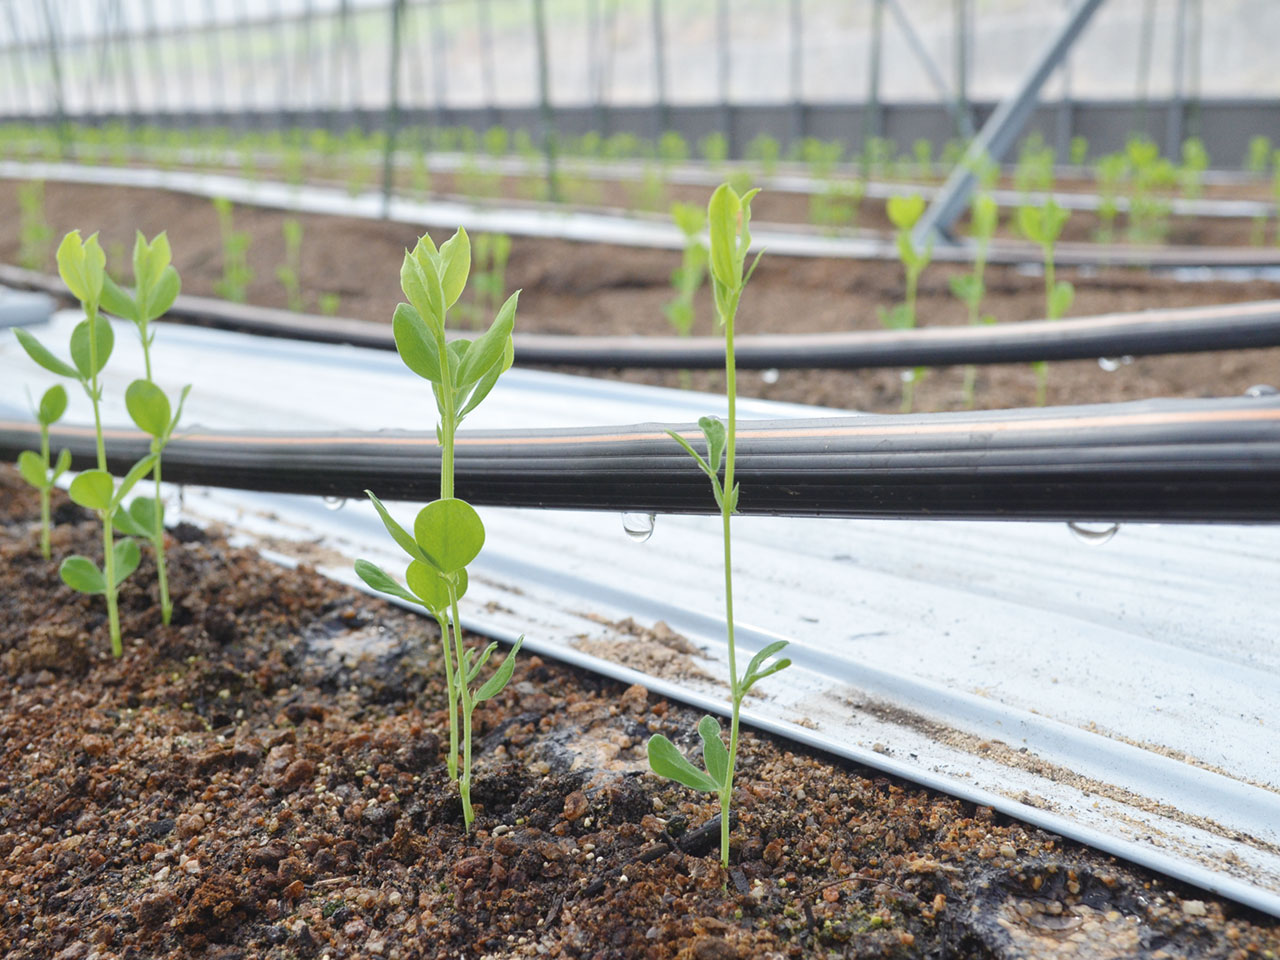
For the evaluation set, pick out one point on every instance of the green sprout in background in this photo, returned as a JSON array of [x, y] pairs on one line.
[[1078, 150], [1110, 174], [157, 285], [288, 274], [35, 236], [82, 265], [1195, 161], [236, 272], [729, 217], [1043, 225], [765, 151], [971, 287], [448, 533], [35, 467], [687, 278], [904, 212], [489, 257]]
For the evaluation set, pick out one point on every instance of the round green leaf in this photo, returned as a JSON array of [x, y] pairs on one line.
[[32, 468], [41, 355], [415, 344], [126, 556], [53, 404], [450, 533], [81, 355], [93, 489], [148, 513], [82, 574], [148, 406], [428, 585]]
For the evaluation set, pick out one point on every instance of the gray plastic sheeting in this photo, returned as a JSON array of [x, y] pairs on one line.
[[19, 308], [1123, 694]]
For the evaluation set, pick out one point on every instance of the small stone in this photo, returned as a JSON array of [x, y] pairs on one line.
[[298, 773], [1193, 908], [714, 948], [1008, 851], [773, 852], [189, 824], [575, 805], [294, 890], [471, 866]]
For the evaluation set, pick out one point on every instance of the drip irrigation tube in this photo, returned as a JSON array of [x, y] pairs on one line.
[[1161, 460], [1185, 330]]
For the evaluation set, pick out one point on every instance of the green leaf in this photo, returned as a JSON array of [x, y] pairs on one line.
[[714, 754], [770, 650], [82, 266], [450, 533], [755, 669], [93, 489], [455, 259], [905, 211], [688, 448], [967, 287], [81, 354], [33, 469], [377, 578], [1060, 298], [488, 381], [415, 344], [126, 557], [666, 761], [52, 405], [428, 585], [117, 301], [487, 349], [493, 686], [689, 218], [149, 407], [136, 473], [82, 574], [124, 521], [723, 212], [177, 414], [898, 317], [64, 461], [422, 286], [398, 533], [148, 513], [164, 293], [717, 439], [474, 669], [986, 215], [37, 352]]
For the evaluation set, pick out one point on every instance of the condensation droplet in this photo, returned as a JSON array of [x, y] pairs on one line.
[[1094, 534], [770, 375], [907, 376], [1261, 390], [335, 503], [638, 526], [1112, 364]]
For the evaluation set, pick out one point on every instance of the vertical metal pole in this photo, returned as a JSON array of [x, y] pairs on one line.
[[1173, 123], [487, 77], [306, 65], [797, 71], [1146, 39], [282, 61], [961, 38], [1066, 102], [660, 68], [544, 100], [594, 68], [393, 105], [161, 104], [188, 68], [724, 76], [213, 42], [19, 62], [1193, 67], [872, 122], [244, 75], [439, 67], [55, 68], [945, 96]]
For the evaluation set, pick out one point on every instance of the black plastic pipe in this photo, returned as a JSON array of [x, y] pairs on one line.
[[1159, 460]]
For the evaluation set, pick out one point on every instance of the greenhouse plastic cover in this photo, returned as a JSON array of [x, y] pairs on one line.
[[1122, 693]]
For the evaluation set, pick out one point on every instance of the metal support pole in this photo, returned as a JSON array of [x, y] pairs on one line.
[[393, 105], [659, 67], [1001, 130], [1193, 67], [594, 66], [963, 126], [1066, 103], [18, 55], [723, 71], [963, 12], [439, 64], [799, 126], [544, 101], [1146, 39], [1173, 122], [872, 121], [215, 59], [487, 79], [55, 68]]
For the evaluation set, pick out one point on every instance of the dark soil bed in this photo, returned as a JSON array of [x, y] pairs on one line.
[[594, 288], [264, 778]]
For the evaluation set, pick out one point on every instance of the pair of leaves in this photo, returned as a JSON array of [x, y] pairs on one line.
[[434, 279], [1043, 225], [35, 469], [97, 490], [82, 574], [52, 405], [498, 679], [149, 408], [729, 222], [968, 288], [897, 317], [716, 438], [82, 266], [985, 216], [144, 518], [87, 357], [913, 258], [157, 284], [1060, 298], [905, 211], [666, 760], [690, 219]]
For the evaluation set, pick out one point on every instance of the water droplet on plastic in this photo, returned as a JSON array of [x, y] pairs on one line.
[[335, 503], [907, 376], [1112, 364], [770, 375], [638, 526], [1261, 390], [1094, 534]]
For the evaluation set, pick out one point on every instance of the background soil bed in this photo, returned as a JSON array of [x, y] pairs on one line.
[[597, 288], [264, 778]]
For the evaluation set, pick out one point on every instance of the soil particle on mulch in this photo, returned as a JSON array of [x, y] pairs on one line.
[[265, 778]]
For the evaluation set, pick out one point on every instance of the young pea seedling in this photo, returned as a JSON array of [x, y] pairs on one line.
[[687, 278], [236, 272], [288, 274], [35, 236], [971, 287], [1043, 225], [82, 265], [447, 534], [904, 212], [157, 286], [35, 468], [729, 217]]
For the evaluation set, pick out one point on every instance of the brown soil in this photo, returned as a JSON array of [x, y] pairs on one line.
[[595, 288], [264, 778]]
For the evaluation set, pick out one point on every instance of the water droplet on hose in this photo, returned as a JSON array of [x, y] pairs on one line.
[[335, 503], [638, 526], [770, 375], [1261, 390], [1094, 534], [1112, 364]]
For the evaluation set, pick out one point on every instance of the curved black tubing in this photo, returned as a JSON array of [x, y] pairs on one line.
[[1162, 460]]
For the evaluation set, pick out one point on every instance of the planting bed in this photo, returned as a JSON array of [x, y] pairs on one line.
[[595, 288], [265, 778]]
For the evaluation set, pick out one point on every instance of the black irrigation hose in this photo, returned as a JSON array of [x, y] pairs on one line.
[[1184, 330], [1157, 460]]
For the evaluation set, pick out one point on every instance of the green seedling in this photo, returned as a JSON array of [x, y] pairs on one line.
[[1195, 161], [488, 275], [288, 274], [971, 287], [729, 217], [922, 151], [904, 212], [448, 533], [1043, 225], [82, 265], [1257, 156], [687, 278], [236, 272], [714, 148], [1147, 172], [1078, 150], [672, 148], [1110, 174], [157, 285], [329, 303], [35, 236], [35, 467], [765, 151]]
